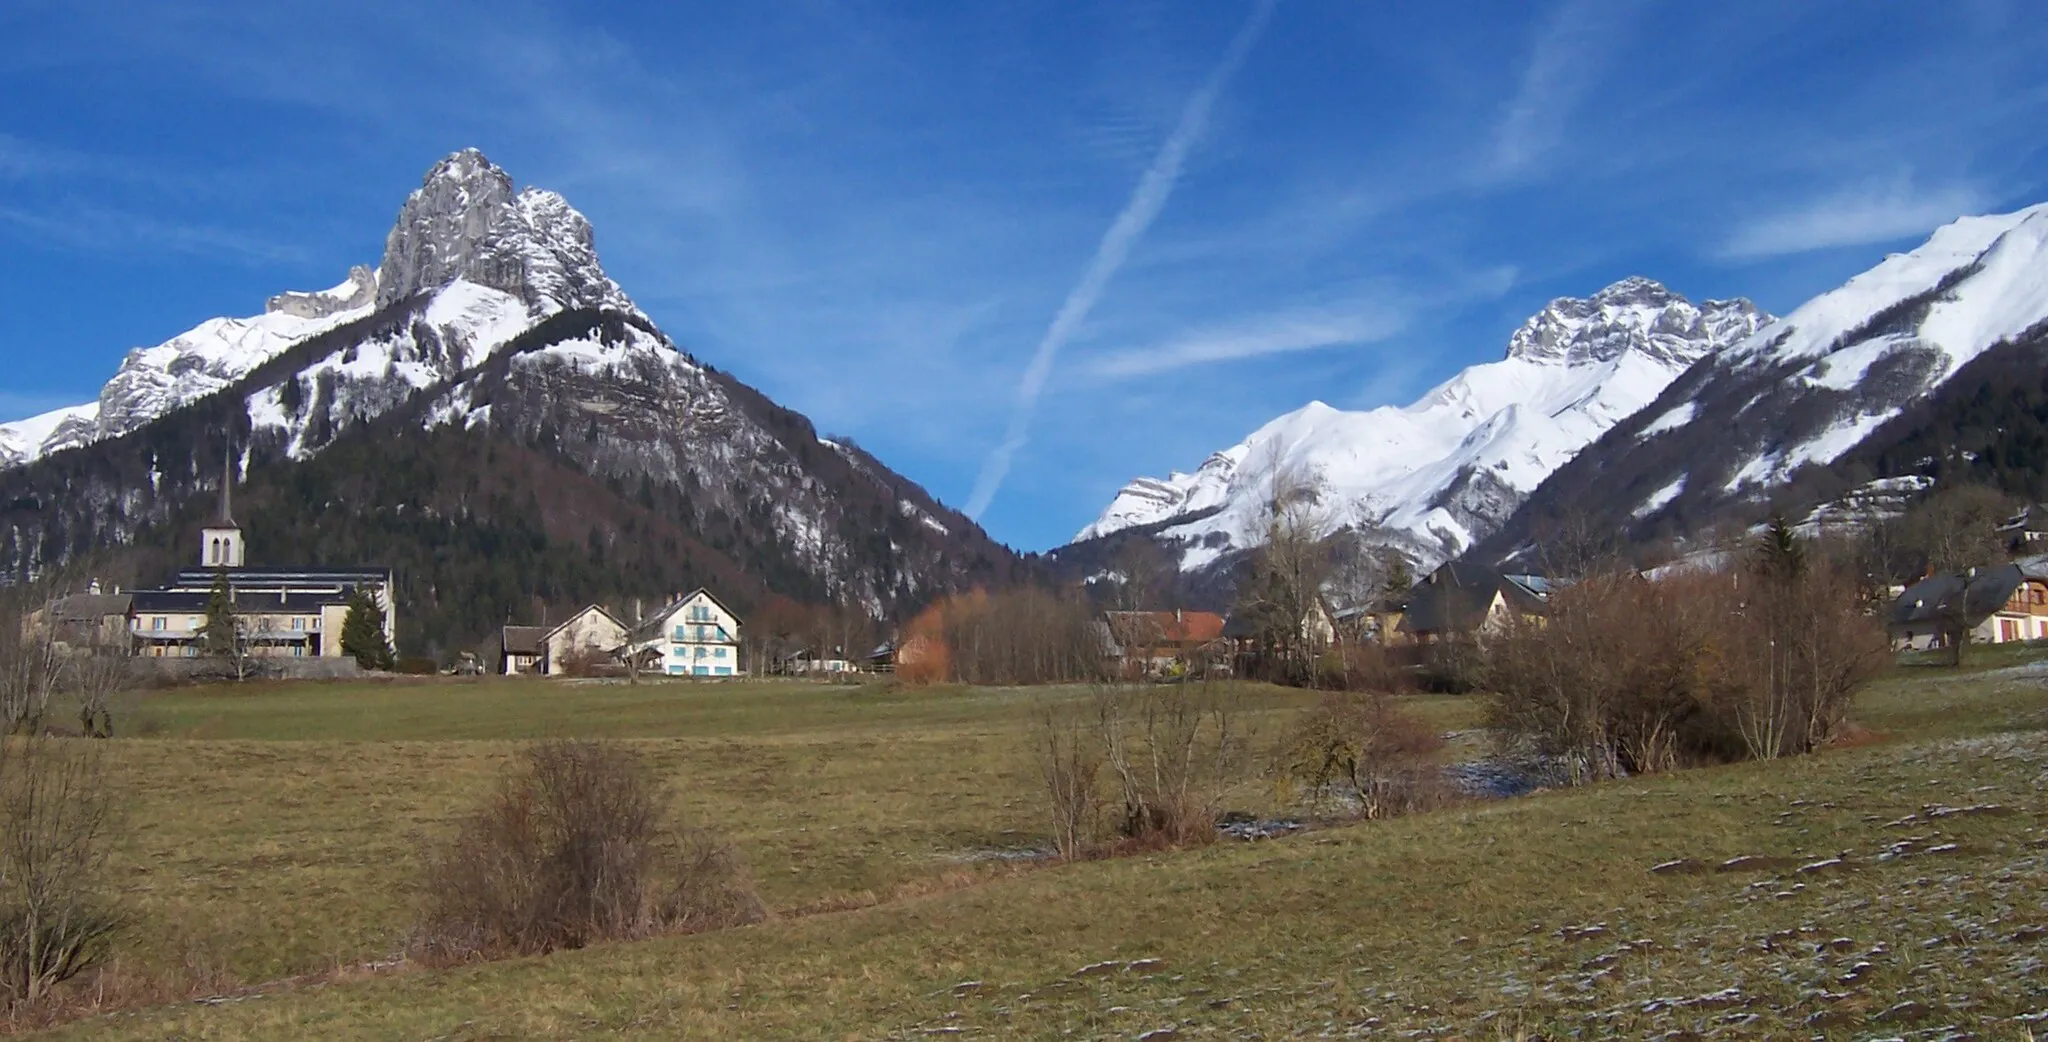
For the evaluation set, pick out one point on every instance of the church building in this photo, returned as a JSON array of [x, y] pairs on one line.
[[294, 611]]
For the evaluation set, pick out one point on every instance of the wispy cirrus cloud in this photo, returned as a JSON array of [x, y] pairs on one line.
[[1564, 62], [1283, 333], [1145, 204], [1867, 213], [97, 228]]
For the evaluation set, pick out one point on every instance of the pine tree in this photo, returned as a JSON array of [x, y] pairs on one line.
[[221, 634], [1779, 552], [1399, 579], [362, 634]]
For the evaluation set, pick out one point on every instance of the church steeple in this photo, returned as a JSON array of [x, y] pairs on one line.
[[220, 543], [227, 488]]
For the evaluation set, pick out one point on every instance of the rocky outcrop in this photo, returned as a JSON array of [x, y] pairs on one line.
[[359, 291], [1635, 314], [466, 222]]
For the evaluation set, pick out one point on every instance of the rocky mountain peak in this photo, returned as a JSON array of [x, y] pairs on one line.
[[466, 222], [1633, 315]]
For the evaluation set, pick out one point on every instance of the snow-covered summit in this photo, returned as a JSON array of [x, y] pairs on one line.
[[1434, 476], [501, 259], [1811, 387], [465, 221], [1635, 314]]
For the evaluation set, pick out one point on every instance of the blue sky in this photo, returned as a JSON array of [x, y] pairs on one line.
[[1023, 251]]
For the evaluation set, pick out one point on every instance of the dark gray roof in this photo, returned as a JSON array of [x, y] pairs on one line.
[[1455, 598], [1934, 599], [90, 607], [524, 640], [193, 601]]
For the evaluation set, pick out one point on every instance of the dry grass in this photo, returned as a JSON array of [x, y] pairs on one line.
[[1540, 916]]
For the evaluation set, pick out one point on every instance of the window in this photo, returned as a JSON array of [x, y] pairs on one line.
[[721, 653], [702, 652], [682, 634], [298, 624], [725, 671], [157, 623]]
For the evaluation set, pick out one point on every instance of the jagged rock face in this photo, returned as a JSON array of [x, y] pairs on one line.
[[466, 222], [499, 323], [359, 291], [1635, 314]]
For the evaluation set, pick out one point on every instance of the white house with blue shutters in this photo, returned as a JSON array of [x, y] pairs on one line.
[[693, 636]]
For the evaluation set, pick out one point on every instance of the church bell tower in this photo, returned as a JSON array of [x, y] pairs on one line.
[[220, 543]]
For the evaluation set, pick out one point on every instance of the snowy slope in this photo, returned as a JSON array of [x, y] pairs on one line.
[[1976, 282], [1808, 388], [1435, 476], [489, 312], [489, 262]]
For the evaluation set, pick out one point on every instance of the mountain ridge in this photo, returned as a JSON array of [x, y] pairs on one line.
[[1433, 477], [493, 321], [1755, 429]]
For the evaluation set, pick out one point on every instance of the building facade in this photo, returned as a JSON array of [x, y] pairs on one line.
[[695, 635], [288, 612]]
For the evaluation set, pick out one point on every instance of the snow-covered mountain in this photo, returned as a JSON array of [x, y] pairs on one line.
[[491, 260], [1433, 477], [490, 314], [1806, 389]]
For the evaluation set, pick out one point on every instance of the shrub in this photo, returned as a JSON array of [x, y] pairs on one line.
[[1070, 760], [1628, 676], [1175, 752], [56, 916], [416, 666], [1147, 766], [573, 848], [1366, 751]]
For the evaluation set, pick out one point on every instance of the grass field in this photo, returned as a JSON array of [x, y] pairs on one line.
[[271, 833]]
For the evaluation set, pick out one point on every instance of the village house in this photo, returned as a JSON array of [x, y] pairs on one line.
[[1459, 601], [285, 612], [1155, 643], [520, 649], [1992, 605], [589, 637], [693, 636], [86, 623]]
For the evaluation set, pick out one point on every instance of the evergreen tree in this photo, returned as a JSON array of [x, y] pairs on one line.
[[1779, 552], [1399, 579], [362, 634], [222, 632]]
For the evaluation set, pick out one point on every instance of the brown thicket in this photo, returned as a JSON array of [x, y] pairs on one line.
[[57, 913], [571, 849], [1023, 635], [1143, 766], [1629, 676], [1364, 751]]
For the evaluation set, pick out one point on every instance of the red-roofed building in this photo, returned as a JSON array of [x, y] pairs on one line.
[[1151, 643]]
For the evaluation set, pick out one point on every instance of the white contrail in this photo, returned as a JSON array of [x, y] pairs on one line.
[[1146, 201]]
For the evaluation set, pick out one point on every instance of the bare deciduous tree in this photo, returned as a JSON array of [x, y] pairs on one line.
[[1283, 589]]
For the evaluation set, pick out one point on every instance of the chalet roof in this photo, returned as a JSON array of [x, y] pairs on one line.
[[1979, 593], [1148, 628], [655, 622], [90, 607], [523, 640], [1456, 597], [578, 614]]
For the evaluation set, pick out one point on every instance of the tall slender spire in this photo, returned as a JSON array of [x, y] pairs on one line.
[[227, 485]]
